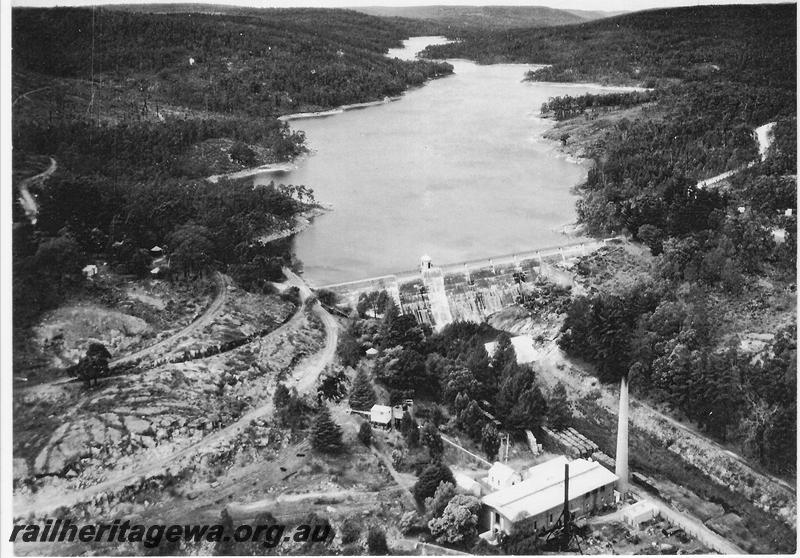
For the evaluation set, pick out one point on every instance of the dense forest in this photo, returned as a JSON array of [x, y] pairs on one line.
[[717, 73], [566, 107], [748, 44], [265, 63], [132, 105], [484, 17]]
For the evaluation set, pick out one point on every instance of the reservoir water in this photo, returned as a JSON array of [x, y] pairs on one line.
[[455, 169]]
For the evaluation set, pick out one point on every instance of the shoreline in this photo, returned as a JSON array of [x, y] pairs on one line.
[[338, 110], [573, 229], [584, 84], [287, 166], [302, 221]]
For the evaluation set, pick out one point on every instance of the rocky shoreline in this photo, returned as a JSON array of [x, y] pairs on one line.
[[302, 221]]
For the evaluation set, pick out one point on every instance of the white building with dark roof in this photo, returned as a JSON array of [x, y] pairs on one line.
[[535, 504]]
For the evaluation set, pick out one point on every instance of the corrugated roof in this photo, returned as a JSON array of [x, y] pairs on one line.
[[544, 489]]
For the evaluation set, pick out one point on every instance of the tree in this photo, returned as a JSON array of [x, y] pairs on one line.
[[410, 430], [376, 542], [349, 349], [471, 420], [411, 523], [436, 504], [93, 365], [432, 440], [192, 248], [402, 370], [430, 479], [559, 408], [490, 441], [365, 434], [458, 522], [332, 387], [519, 400], [503, 352], [242, 154], [326, 435], [462, 381], [327, 297], [362, 394], [652, 236], [281, 397]]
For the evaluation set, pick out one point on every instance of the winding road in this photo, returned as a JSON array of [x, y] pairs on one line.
[[207, 317], [305, 376], [764, 137], [223, 282]]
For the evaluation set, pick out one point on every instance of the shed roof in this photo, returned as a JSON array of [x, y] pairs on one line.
[[544, 490]]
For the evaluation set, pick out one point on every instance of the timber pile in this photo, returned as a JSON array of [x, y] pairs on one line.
[[570, 442]]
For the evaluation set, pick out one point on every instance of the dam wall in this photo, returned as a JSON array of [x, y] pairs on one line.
[[471, 290]]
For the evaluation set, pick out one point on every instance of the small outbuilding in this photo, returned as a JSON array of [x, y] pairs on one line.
[[381, 416], [640, 512], [89, 271], [372, 352], [502, 476]]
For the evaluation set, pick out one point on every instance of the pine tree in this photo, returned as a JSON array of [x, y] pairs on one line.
[[365, 433], [362, 394], [559, 410], [326, 435], [410, 430], [504, 352], [471, 420], [490, 441], [432, 440]]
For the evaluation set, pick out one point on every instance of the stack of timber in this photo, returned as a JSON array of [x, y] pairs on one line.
[[570, 442]]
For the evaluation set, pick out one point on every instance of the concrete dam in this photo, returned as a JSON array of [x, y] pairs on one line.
[[472, 290]]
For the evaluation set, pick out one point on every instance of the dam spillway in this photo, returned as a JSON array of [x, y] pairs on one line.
[[472, 290]]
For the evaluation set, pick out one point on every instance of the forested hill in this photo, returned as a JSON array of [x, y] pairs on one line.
[[262, 63], [137, 108], [484, 17], [723, 257], [750, 44]]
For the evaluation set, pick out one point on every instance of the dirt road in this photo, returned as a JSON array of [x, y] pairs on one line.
[[207, 317], [223, 282], [305, 376], [763, 135], [26, 199]]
